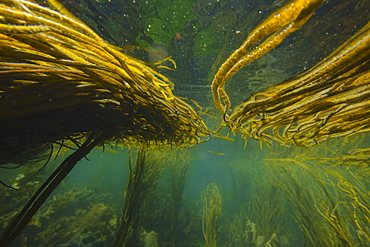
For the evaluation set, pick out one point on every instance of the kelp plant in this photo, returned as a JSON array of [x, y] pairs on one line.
[[212, 201], [259, 211], [179, 163], [331, 205], [141, 184], [329, 100], [60, 80], [327, 188]]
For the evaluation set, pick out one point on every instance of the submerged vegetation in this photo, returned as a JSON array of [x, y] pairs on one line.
[[64, 90], [212, 202], [329, 100]]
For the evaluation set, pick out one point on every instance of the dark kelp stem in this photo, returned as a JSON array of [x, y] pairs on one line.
[[23, 218]]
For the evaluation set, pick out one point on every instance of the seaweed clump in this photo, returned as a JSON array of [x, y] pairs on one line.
[[61, 81], [327, 101]]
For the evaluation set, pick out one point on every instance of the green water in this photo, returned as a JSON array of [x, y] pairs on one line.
[[288, 194]]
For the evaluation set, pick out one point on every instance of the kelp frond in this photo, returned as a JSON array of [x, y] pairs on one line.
[[327, 101]]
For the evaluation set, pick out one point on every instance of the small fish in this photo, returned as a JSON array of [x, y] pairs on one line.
[[215, 152]]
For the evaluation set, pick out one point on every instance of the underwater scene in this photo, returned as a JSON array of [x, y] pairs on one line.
[[185, 123]]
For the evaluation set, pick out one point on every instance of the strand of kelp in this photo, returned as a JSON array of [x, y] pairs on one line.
[[45, 47], [278, 25], [21, 220], [327, 101]]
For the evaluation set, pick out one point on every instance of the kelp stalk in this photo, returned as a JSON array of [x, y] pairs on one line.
[[179, 166], [279, 25], [212, 201], [22, 219], [142, 181]]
